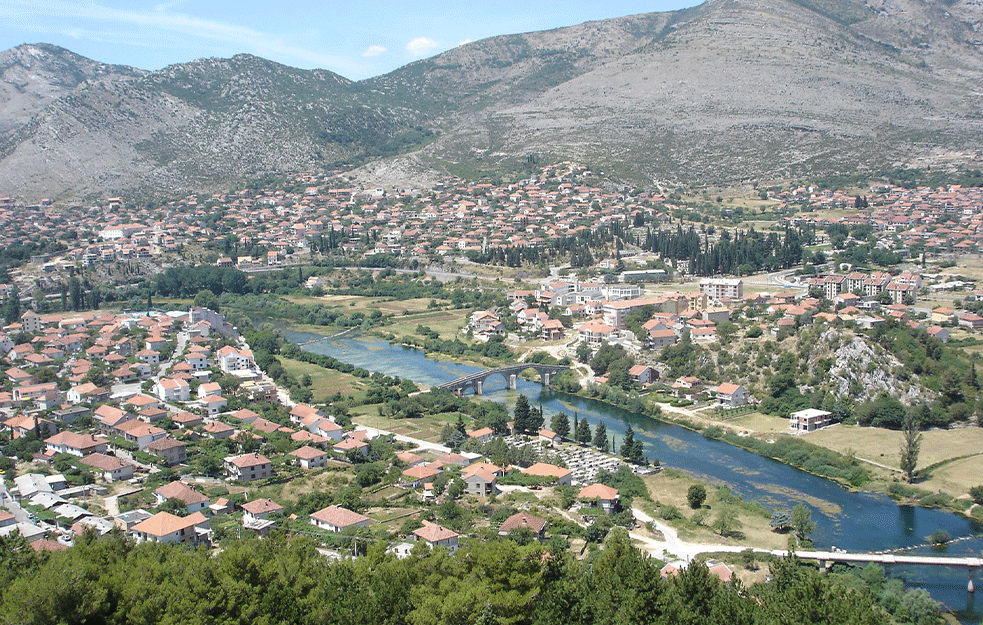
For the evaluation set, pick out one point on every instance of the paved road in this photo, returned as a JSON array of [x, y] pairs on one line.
[[8, 502]]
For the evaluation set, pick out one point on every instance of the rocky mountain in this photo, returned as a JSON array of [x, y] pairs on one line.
[[727, 91]]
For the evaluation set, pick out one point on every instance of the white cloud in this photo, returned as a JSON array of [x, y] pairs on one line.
[[164, 24], [373, 51], [464, 41], [421, 46]]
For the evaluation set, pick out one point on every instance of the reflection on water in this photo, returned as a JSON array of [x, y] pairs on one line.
[[848, 520]]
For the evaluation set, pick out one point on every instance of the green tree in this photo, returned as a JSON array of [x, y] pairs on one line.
[[583, 434], [631, 449], [911, 442], [727, 523], [11, 309], [206, 299], [75, 296], [584, 352], [696, 495], [802, 522], [560, 423], [522, 415], [781, 520], [601, 436]]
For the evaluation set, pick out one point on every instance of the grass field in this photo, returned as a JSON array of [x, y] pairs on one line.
[[882, 446], [362, 303], [445, 323], [327, 382], [427, 428], [669, 487], [758, 422]]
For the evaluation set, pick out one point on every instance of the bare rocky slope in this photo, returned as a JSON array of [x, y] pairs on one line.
[[727, 91]]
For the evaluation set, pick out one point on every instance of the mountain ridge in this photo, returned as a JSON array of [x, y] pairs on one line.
[[727, 91]]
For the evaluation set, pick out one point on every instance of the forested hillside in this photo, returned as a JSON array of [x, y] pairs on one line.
[[285, 581]]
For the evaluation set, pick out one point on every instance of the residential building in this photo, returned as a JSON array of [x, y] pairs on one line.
[[809, 420], [248, 467], [436, 536], [338, 519], [732, 395]]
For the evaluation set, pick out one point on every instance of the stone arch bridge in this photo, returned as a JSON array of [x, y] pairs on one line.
[[510, 373]]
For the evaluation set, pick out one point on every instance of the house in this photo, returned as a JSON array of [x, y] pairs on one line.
[[549, 436], [352, 444], [596, 333], [248, 467], [338, 519], [87, 393], [214, 404], [112, 468], [436, 536], [140, 433], [688, 387], [218, 430], [939, 332], [165, 527], [809, 420], [599, 496], [480, 479], [209, 388], [415, 476], [255, 515], [173, 389], [75, 444], [310, 457], [523, 521], [170, 450], [45, 395], [552, 330], [482, 435], [230, 359], [732, 395], [561, 476], [141, 401], [967, 320], [643, 374], [193, 500]]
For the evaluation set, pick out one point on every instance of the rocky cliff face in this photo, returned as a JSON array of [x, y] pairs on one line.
[[727, 91]]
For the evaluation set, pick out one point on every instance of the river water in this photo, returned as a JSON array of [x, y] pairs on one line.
[[854, 521]]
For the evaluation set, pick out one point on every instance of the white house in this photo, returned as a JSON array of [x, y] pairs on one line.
[[173, 389], [732, 395]]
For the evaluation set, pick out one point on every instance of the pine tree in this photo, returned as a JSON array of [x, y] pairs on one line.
[[601, 437], [911, 442], [631, 449], [11, 311], [560, 424], [583, 432], [521, 415]]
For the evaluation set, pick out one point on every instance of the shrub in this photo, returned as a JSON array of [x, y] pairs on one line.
[[669, 513]]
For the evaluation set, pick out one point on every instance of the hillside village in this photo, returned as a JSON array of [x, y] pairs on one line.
[[145, 421], [168, 422], [313, 215]]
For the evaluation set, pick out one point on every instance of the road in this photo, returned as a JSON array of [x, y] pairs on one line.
[[673, 546], [7, 500]]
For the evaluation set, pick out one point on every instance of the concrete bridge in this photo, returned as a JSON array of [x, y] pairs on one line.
[[510, 373], [827, 558]]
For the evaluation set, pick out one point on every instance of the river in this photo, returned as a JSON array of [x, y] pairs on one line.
[[855, 521]]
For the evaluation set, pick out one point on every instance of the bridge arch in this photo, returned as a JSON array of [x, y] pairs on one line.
[[510, 373]]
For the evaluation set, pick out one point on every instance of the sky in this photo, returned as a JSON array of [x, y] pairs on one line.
[[357, 39]]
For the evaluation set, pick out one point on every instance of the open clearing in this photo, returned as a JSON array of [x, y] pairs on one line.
[[326, 382], [427, 428], [670, 487], [882, 446]]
